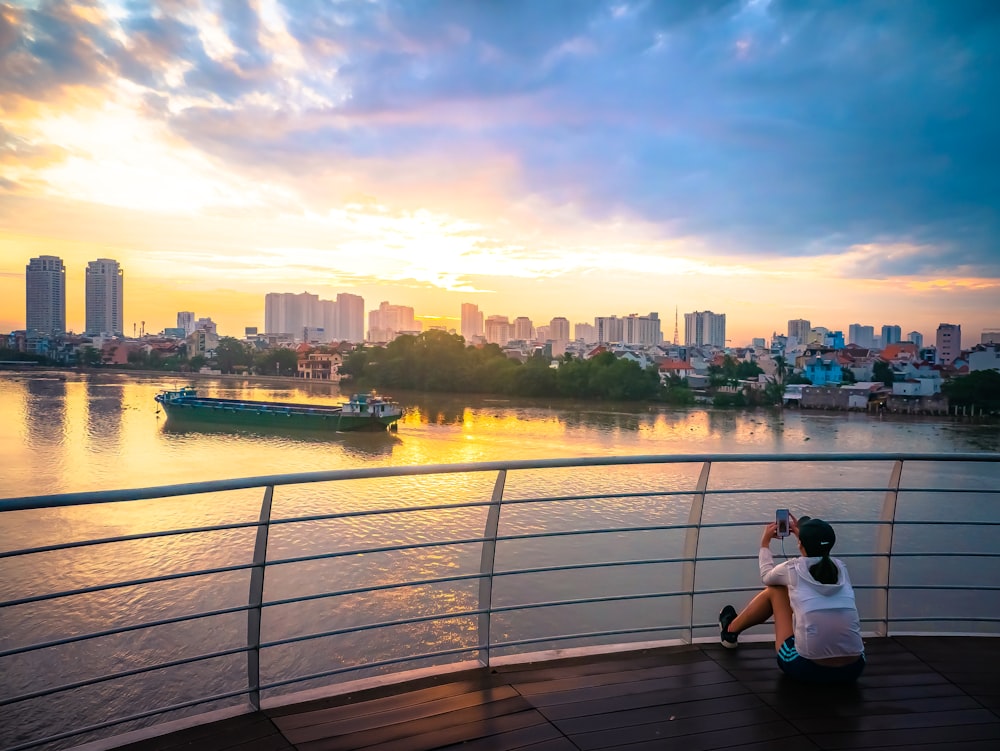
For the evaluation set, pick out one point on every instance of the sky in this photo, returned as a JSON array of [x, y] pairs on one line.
[[833, 161]]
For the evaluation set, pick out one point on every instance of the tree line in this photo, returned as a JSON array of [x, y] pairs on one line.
[[442, 362]]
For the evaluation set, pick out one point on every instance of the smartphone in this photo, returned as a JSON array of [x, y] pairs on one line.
[[781, 518]]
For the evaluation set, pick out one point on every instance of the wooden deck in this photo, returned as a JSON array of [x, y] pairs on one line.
[[917, 693]]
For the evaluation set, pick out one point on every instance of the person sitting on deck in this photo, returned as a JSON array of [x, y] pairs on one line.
[[817, 631]]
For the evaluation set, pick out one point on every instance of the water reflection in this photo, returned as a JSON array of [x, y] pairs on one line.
[[361, 443], [44, 410], [104, 415]]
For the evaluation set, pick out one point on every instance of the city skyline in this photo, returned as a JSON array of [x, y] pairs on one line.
[[286, 312], [753, 158]]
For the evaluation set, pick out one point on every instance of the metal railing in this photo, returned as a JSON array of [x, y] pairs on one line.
[[474, 624]]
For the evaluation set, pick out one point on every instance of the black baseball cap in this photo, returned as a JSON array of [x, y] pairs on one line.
[[817, 536]]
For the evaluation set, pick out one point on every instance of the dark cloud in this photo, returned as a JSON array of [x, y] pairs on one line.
[[48, 47]]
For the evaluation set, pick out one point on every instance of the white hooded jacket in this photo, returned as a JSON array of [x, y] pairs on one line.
[[825, 616]]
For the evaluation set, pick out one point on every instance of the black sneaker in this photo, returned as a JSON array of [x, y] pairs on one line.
[[727, 616]]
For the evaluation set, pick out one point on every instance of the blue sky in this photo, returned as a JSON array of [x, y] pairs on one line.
[[834, 159]]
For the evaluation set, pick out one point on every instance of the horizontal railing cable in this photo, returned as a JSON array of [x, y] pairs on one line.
[[123, 630], [123, 674], [128, 583], [302, 478]]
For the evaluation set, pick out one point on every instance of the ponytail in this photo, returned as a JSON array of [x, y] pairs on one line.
[[825, 571]]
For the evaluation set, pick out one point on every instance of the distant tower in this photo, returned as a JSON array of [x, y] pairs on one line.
[[949, 343], [45, 295], [676, 335], [799, 328], [104, 292], [472, 321]]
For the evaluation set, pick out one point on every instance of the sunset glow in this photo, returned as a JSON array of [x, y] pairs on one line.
[[542, 159]]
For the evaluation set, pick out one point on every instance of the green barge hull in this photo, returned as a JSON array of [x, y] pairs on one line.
[[363, 412]]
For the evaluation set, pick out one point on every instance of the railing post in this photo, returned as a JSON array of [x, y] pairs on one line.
[[486, 565], [256, 598], [883, 548], [691, 549]]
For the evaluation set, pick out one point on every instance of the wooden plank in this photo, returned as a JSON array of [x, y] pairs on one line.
[[667, 728], [983, 733], [767, 735], [616, 690], [248, 728], [393, 694], [622, 674], [369, 721], [671, 714], [614, 703], [426, 734], [533, 738], [943, 718]]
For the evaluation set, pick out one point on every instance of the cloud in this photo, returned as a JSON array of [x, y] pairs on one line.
[[52, 46], [778, 129]]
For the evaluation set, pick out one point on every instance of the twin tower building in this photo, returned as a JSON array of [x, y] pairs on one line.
[[45, 299]]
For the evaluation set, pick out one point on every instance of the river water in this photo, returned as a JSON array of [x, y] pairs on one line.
[[71, 432]]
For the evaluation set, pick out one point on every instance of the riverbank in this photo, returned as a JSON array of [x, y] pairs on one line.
[[476, 400]]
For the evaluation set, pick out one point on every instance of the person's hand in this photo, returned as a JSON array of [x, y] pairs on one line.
[[770, 532], [793, 524]]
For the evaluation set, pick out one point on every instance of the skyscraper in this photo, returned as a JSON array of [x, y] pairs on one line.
[[185, 320], [917, 338], [351, 310], [295, 314], [609, 329], [707, 328], [472, 321], [949, 343], [559, 329], [863, 336], [389, 321], [800, 329], [891, 335], [45, 295], [499, 330], [643, 330], [104, 293], [523, 329]]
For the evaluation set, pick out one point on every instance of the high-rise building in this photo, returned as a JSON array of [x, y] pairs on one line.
[[304, 316], [45, 295], [990, 336], [290, 313], [949, 343], [498, 330], [185, 320], [798, 328], [863, 336], [559, 329], [891, 335], [610, 329], [705, 328], [104, 297], [524, 329], [472, 321], [643, 330], [389, 321], [351, 313], [585, 332], [917, 338]]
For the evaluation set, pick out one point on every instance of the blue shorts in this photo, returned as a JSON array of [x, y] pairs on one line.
[[804, 669]]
